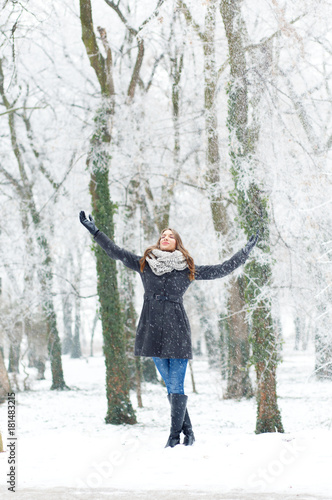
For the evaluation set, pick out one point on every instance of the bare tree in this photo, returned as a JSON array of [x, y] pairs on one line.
[[24, 189]]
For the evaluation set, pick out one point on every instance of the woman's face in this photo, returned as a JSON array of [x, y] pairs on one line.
[[167, 241]]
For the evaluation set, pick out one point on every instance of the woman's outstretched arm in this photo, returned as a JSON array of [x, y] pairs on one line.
[[220, 270], [127, 258]]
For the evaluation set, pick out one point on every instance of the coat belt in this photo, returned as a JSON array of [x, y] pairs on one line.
[[163, 297]]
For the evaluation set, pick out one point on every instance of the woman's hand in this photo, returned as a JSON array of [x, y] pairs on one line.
[[251, 243], [89, 223]]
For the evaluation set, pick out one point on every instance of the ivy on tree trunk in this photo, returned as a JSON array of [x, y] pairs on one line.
[[119, 408], [252, 207], [218, 203]]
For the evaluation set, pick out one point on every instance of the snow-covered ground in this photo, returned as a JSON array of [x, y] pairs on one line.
[[66, 451]]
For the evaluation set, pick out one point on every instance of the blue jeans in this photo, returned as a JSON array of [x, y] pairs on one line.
[[173, 372]]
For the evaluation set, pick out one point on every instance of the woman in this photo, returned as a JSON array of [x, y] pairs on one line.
[[163, 331]]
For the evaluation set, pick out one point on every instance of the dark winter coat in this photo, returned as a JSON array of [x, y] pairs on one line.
[[163, 329]]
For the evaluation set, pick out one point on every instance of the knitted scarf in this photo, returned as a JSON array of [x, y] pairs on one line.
[[163, 262]]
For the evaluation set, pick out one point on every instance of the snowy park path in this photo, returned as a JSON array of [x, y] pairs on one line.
[[66, 451], [73, 494]]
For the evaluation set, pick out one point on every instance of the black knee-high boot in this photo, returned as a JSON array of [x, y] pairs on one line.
[[187, 429], [178, 409]]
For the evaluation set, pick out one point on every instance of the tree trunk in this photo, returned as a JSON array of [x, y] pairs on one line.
[[54, 347], [192, 377], [67, 309], [149, 372], [238, 381], [138, 371], [15, 348], [223, 327], [213, 163], [93, 329], [162, 210], [54, 343], [128, 299], [24, 190], [237, 334], [323, 335], [323, 360], [213, 182], [37, 339], [119, 408], [4, 380], [76, 349], [211, 342], [252, 208]]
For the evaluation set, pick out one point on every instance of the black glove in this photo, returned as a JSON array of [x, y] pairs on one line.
[[89, 223], [251, 243]]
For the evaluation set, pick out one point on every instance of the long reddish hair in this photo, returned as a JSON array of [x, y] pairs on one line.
[[179, 246]]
